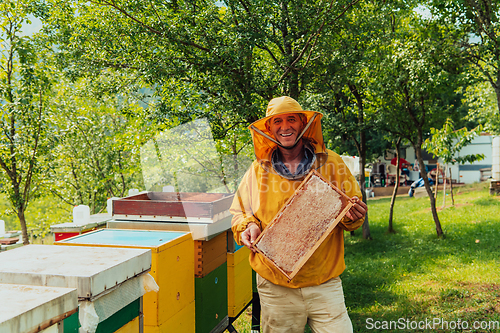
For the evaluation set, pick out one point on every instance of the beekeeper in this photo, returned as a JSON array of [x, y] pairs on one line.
[[288, 143]]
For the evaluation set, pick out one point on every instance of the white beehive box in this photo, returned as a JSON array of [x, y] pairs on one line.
[[91, 270], [30, 308]]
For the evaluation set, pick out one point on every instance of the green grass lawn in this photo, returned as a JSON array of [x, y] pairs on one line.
[[405, 278], [412, 276]]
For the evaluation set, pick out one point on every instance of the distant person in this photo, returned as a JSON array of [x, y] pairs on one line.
[[404, 165], [402, 162], [418, 183]]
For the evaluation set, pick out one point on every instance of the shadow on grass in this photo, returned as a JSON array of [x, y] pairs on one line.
[[370, 269], [486, 202]]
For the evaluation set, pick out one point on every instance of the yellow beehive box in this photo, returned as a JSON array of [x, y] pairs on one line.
[[181, 322], [239, 281], [172, 266], [132, 326]]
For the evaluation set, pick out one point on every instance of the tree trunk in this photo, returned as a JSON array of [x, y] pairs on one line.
[[418, 152], [294, 84], [497, 91], [366, 228], [437, 182], [366, 224], [396, 187], [362, 186], [361, 147], [451, 191], [444, 185], [22, 219], [235, 162]]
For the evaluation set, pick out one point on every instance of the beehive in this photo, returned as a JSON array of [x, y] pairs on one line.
[[126, 320], [70, 229], [239, 281], [210, 254], [35, 308], [199, 231], [101, 277], [172, 267], [211, 301], [173, 207], [182, 321]]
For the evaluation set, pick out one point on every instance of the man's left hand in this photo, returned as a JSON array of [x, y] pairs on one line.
[[357, 211]]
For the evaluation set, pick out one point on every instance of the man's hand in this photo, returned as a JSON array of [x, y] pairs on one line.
[[250, 235], [357, 211]]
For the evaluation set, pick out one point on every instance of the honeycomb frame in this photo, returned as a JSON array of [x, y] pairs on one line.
[[303, 255]]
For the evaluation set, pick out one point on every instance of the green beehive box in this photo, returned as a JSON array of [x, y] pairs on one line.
[[254, 282], [112, 324], [120, 318], [211, 301], [71, 324]]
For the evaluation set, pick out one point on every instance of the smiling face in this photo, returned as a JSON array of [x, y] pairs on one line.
[[286, 128]]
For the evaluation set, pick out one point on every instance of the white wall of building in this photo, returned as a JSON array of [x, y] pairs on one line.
[[495, 168], [469, 172]]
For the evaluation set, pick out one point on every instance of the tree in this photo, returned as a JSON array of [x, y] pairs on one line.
[[479, 21], [342, 88], [416, 86], [397, 145], [201, 59], [447, 142], [25, 91], [481, 99], [237, 55], [345, 113], [97, 155], [339, 89]]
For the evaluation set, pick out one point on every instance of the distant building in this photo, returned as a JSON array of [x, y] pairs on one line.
[[466, 173]]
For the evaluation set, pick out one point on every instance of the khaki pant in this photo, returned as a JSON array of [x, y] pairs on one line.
[[288, 310]]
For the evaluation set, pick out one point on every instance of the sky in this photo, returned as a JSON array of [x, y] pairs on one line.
[[423, 11], [30, 29]]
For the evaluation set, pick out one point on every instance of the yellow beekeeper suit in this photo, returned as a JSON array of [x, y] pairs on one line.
[[263, 192]]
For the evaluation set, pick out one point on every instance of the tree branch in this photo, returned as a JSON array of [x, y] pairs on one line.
[[148, 27], [314, 36], [156, 12], [29, 173], [62, 198]]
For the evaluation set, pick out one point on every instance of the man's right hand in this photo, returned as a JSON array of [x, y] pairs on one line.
[[250, 235]]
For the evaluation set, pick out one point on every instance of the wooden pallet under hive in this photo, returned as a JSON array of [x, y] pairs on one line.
[[9, 241], [302, 224]]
